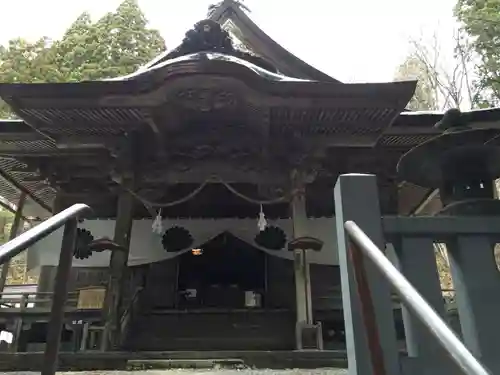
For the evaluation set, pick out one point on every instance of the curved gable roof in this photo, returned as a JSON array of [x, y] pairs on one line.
[[259, 42]]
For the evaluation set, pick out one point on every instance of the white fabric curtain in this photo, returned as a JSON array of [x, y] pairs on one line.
[[146, 246]]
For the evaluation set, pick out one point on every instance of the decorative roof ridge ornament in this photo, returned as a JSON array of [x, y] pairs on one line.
[[227, 3], [209, 36]]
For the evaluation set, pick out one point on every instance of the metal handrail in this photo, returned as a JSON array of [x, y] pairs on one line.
[[69, 219], [23, 241], [416, 303]]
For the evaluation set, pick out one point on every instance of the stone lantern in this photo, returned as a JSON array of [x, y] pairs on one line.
[[463, 163]]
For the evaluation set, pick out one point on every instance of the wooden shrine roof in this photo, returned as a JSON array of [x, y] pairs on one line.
[[232, 16], [208, 109]]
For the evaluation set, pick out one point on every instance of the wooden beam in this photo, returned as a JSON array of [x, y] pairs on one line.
[[21, 136], [411, 131], [80, 153], [54, 162], [24, 169], [16, 224], [75, 172], [18, 130], [200, 171], [30, 178], [78, 142]]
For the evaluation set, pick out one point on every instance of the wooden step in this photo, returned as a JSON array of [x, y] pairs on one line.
[[212, 331]]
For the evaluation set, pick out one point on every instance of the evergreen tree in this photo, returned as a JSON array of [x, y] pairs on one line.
[[22, 61], [481, 21], [115, 45]]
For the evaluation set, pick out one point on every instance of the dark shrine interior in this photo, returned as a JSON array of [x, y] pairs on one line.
[[220, 271]]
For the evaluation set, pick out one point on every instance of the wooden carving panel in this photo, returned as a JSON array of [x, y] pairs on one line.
[[217, 146], [206, 99]]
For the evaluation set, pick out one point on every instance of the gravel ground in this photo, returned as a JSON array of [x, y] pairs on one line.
[[205, 372]]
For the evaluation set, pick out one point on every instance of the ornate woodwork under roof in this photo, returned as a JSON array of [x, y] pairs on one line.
[[21, 146], [208, 115]]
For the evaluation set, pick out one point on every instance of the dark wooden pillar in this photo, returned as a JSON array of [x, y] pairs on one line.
[[13, 234], [56, 322], [118, 272]]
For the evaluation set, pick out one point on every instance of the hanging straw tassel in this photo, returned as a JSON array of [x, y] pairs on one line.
[[262, 223], [158, 224]]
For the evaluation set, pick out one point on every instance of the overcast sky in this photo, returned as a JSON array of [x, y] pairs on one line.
[[352, 40]]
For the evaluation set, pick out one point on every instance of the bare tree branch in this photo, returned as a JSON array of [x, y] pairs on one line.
[[452, 81]]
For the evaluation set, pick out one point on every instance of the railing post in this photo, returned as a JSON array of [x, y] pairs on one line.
[[18, 326], [415, 258], [477, 286], [418, 305], [55, 326], [356, 198]]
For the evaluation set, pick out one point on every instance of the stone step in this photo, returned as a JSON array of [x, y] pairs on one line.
[[262, 359], [242, 359], [215, 371], [164, 364]]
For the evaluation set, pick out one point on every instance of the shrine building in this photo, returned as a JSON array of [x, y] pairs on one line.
[[214, 165]]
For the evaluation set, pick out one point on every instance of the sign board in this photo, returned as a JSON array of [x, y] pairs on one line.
[[91, 298]]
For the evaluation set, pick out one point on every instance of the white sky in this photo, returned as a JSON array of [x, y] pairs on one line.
[[351, 40]]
